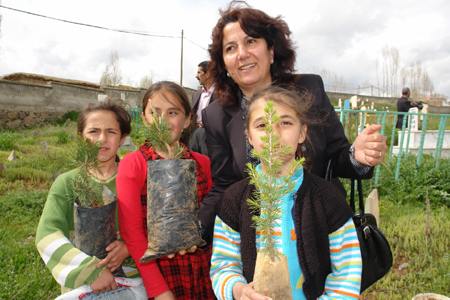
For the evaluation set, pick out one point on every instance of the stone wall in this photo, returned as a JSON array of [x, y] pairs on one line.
[[25, 104], [334, 96], [16, 119]]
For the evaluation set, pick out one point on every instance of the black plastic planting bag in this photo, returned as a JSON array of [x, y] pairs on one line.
[[95, 229], [172, 207]]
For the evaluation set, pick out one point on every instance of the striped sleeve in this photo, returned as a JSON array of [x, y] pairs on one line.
[[226, 264], [345, 279], [69, 266]]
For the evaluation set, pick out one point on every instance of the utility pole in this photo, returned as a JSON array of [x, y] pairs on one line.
[[181, 72]]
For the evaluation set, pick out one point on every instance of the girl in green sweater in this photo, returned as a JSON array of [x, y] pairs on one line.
[[72, 268]]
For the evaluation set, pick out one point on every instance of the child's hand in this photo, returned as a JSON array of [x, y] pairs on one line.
[[242, 291], [105, 282], [183, 252], [118, 252]]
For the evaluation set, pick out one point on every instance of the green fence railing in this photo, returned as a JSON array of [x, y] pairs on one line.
[[431, 128], [136, 118]]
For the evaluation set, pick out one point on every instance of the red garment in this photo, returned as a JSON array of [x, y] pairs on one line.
[[187, 276]]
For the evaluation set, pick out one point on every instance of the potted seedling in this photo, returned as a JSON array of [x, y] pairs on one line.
[[172, 200], [271, 276], [95, 206]]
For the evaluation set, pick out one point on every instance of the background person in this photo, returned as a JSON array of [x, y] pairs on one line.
[[200, 100], [403, 105], [251, 51]]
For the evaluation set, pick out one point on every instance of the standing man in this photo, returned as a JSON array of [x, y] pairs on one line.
[[200, 100], [403, 105]]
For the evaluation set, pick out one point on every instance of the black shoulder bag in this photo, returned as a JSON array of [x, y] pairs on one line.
[[375, 250]]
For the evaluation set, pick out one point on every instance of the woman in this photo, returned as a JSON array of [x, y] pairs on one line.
[[251, 51]]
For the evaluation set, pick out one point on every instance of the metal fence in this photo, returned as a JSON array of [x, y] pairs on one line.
[[136, 119], [399, 140]]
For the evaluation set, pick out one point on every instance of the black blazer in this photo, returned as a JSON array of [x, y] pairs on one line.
[[225, 140]]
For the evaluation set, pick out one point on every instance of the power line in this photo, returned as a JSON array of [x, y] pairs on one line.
[[104, 28], [195, 43], [93, 26]]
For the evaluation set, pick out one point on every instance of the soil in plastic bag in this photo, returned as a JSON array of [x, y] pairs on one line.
[[172, 207], [95, 229], [271, 278]]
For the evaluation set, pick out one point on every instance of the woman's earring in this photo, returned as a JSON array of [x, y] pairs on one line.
[[271, 62], [228, 75]]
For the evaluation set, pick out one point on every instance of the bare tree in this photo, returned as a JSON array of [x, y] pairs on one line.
[[404, 74], [395, 57], [377, 62], [390, 65], [385, 56], [146, 81], [111, 75], [417, 78]]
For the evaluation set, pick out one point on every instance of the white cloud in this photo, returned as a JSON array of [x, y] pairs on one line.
[[345, 37]]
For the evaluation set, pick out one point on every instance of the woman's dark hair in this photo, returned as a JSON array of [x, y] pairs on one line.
[[256, 24], [164, 87], [122, 116], [290, 98]]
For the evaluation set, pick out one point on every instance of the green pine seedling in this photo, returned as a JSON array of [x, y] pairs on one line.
[[85, 157], [269, 187], [159, 136]]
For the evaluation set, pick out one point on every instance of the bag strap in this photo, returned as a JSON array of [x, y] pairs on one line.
[[360, 195], [329, 177]]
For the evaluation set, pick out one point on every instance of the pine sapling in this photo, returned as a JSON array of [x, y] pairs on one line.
[[270, 188], [86, 158], [159, 136]]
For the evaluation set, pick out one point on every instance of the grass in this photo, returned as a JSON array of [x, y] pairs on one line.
[[24, 275], [428, 263], [24, 188]]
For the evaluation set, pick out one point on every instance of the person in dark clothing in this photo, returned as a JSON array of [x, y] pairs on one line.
[[403, 105]]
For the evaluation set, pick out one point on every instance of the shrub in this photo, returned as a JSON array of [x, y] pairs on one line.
[[26, 173], [63, 137], [72, 115], [8, 140]]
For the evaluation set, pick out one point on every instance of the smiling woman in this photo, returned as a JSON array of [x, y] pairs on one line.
[[247, 59]]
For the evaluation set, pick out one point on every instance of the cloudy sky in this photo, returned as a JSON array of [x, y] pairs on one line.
[[343, 37]]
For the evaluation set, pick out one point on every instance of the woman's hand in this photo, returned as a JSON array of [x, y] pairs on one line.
[[183, 252], [105, 282], [242, 291], [370, 146], [118, 252], [167, 295]]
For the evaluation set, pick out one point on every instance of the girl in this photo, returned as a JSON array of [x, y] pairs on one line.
[[110, 124], [184, 276], [321, 244]]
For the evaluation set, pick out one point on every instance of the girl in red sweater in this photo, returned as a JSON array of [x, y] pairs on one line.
[[183, 276]]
